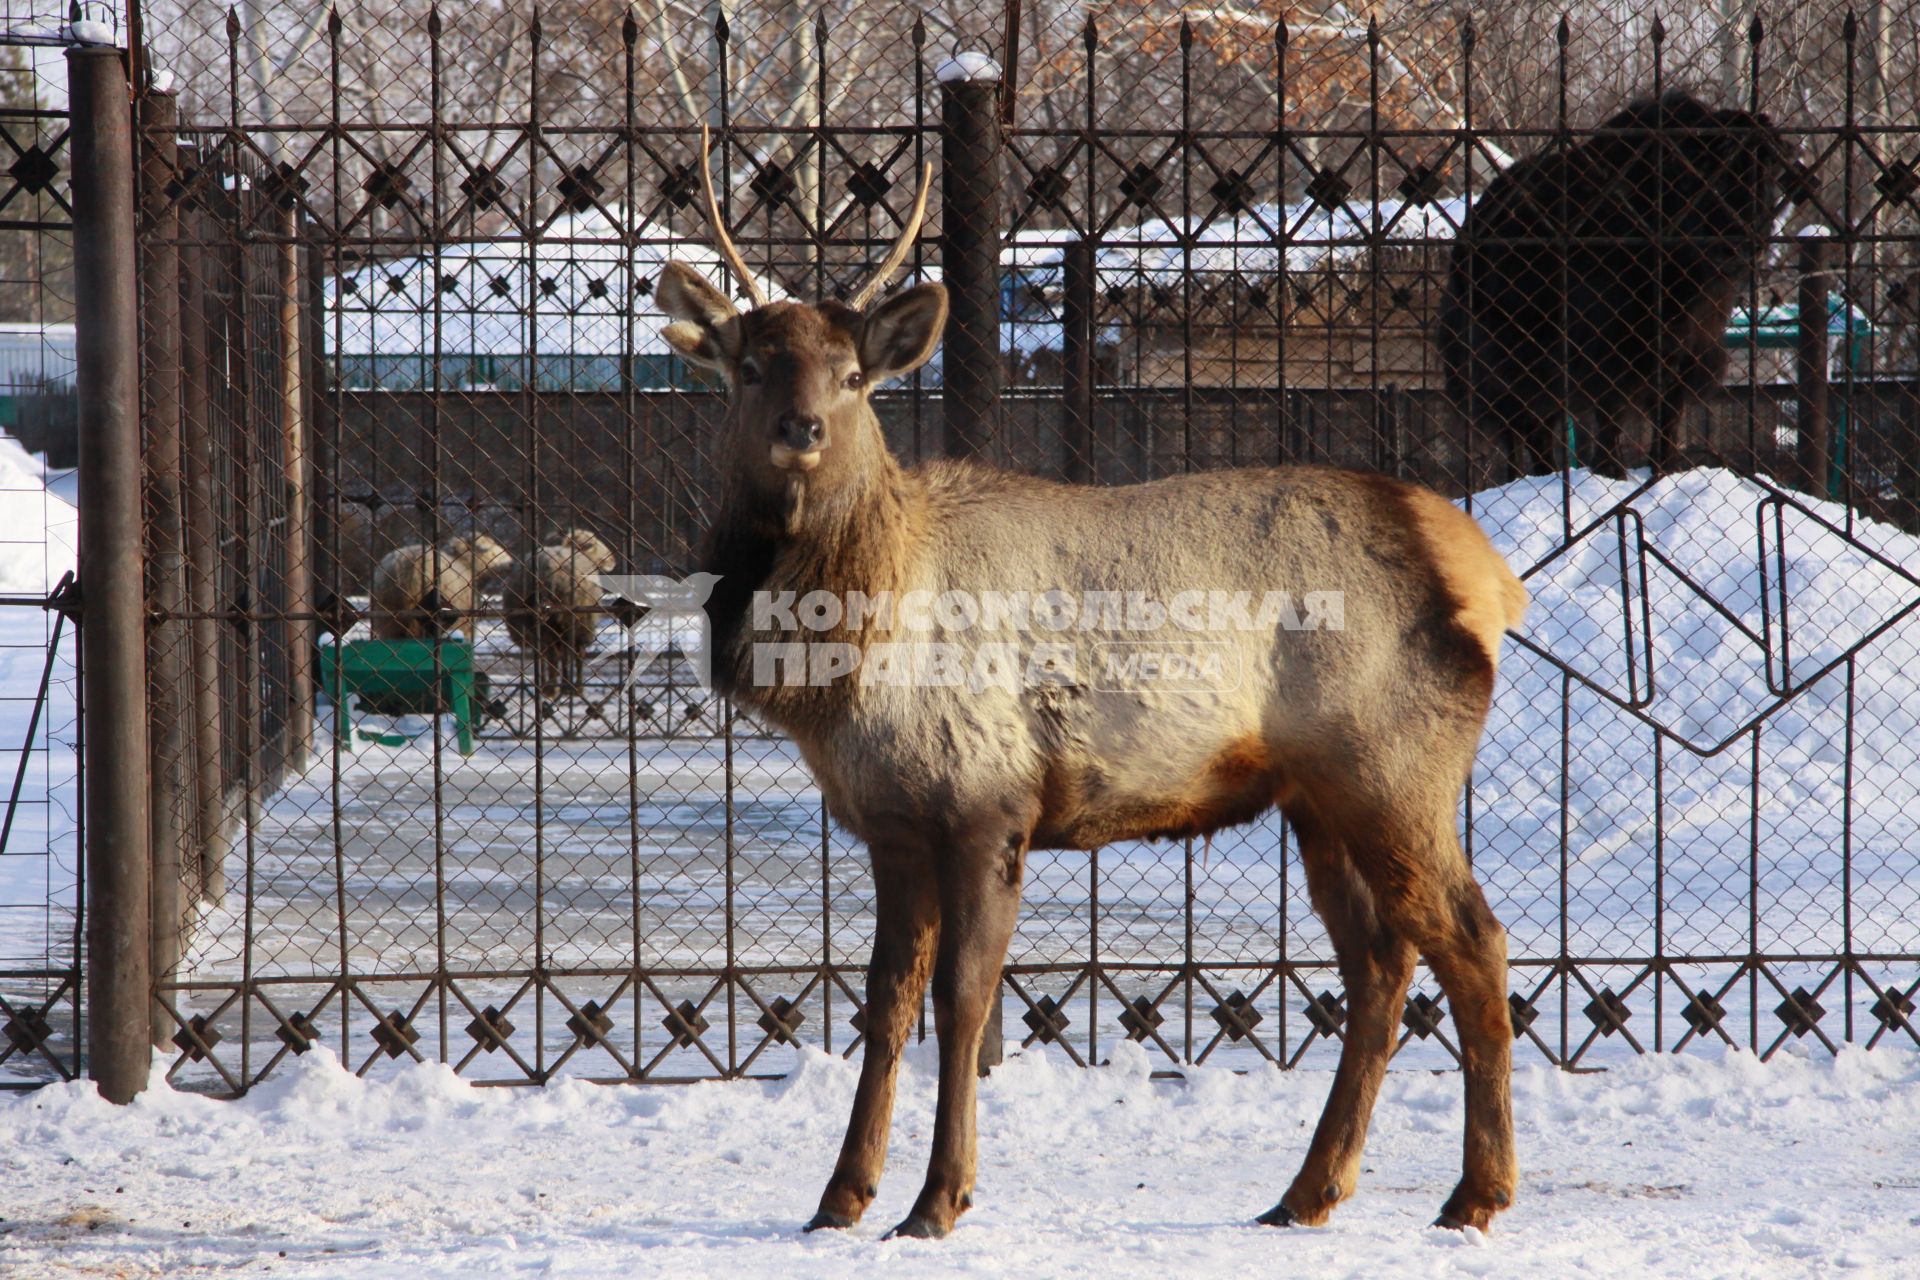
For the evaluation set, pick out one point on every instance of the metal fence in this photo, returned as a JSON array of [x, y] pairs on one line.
[[397, 270], [41, 941]]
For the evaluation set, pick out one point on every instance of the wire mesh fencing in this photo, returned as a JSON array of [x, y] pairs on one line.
[[40, 836], [1640, 293]]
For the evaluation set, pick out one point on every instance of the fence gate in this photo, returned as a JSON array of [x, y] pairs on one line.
[[41, 943], [397, 266]]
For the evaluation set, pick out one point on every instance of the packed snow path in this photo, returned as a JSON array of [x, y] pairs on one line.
[[1691, 1167]]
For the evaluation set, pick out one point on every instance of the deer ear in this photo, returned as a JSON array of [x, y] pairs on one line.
[[705, 326], [902, 332]]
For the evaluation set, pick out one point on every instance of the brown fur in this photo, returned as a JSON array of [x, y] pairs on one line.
[[1362, 735], [553, 607], [422, 592]]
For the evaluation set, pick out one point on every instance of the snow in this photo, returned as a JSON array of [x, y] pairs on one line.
[[1708, 874], [573, 280], [963, 67], [1845, 595], [1690, 1166], [1255, 243], [37, 868], [1708, 1163], [38, 529]]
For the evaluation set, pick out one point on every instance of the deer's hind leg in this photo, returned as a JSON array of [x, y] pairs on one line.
[[1467, 951], [1424, 892], [1376, 965]]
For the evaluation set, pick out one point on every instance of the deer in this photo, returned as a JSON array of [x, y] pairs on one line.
[[1363, 734]]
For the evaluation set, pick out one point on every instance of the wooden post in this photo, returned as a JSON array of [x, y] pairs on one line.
[[970, 263], [293, 411], [112, 571], [170, 819], [970, 251], [203, 556]]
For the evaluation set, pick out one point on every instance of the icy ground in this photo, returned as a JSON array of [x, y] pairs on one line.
[[1691, 1167]]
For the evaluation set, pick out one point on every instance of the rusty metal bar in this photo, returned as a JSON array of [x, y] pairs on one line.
[[170, 819], [1907, 455], [1077, 427], [113, 634]]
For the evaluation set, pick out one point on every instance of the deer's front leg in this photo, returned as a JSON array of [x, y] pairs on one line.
[[906, 923], [979, 902]]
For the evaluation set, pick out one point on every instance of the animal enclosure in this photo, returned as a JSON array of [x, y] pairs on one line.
[[397, 270]]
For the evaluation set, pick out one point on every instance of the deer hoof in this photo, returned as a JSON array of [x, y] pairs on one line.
[[1278, 1216], [823, 1220], [919, 1228], [1474, 1209], [1459, 1218]]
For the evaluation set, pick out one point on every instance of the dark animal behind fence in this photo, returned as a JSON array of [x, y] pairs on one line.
[[1599, 278]]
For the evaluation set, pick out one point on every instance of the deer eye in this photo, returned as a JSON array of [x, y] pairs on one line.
[[855, 380], [749, 373]]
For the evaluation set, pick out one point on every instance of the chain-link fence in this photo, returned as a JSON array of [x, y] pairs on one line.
[[1640, 292], [40, 893]]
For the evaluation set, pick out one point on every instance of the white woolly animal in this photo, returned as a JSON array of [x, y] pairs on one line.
[[421, 592], [553, 607]]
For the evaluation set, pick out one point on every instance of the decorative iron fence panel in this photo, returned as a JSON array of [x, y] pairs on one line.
[[41, 922], [423, 247]]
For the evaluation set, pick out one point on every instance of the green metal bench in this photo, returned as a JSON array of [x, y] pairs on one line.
[[401, 678]]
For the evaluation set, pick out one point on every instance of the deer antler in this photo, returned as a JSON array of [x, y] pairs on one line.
[[721, 240], [897, 254]]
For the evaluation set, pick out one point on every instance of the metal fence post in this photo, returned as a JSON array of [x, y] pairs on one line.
[[203, 555], [970, 250], [1810, 368], [299, 540], [970, 266], [113, 639], [169, 819], [1077, 426]]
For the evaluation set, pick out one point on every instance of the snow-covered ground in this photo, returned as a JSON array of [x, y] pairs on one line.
[[1688, 1167], [1709, 1164]]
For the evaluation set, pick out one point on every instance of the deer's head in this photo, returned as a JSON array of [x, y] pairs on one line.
[[798, 375]]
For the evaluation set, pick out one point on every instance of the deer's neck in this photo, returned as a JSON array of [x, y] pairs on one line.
[[861, 534]]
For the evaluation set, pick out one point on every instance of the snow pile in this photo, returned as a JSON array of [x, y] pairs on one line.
[[1713, 545], [1665, 1166], [38, 867], [38, 529]]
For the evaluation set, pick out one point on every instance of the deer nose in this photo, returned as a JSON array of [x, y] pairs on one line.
[[801, 432]]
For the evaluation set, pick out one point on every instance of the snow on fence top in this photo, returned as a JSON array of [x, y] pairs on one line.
[[553, 309], [497, 312], [1256, 243]]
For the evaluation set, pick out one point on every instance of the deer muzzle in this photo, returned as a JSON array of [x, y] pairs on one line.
[[798, 439]]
